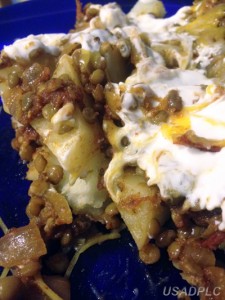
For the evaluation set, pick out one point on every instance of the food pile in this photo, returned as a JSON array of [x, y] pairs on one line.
[[121, 123]]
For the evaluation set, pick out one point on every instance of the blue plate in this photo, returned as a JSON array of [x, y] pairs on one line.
[[112, 270]]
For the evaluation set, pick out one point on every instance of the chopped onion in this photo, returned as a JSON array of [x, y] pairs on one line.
[[21, 245]]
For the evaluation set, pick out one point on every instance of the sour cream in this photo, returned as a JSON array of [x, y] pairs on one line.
[[178, 170]]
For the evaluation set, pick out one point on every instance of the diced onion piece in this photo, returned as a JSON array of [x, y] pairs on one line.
[[20, 245]]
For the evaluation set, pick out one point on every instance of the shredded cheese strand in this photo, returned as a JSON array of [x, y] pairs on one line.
[[46, 289], [4, 272], [91, 242], [3, 227]]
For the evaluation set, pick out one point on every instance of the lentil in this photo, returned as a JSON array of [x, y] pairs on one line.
[[13, 79], [48, 111], [31, 74], [154, 228], [34, 206], [66, 238], [174, 100], [202, 256], [98, 61], [54, 173], [40, 163], [174, 250], [38, 187], [165, 238], [98, 93], [84, 78], [104, 48], [26, 151], [89, 88], [27, 101], [58, 263], [91, 12], [97, 77], [89, 114], [149, 254], [109, 152], [125, 141], [160, 117]]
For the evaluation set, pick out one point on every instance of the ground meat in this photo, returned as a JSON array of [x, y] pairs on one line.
[[80, 225], [27, 135], [5, 61], [68, 92], [26, 100], [202, 218], [30, 134], [32, 103], [180, 219], [190, 257]]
